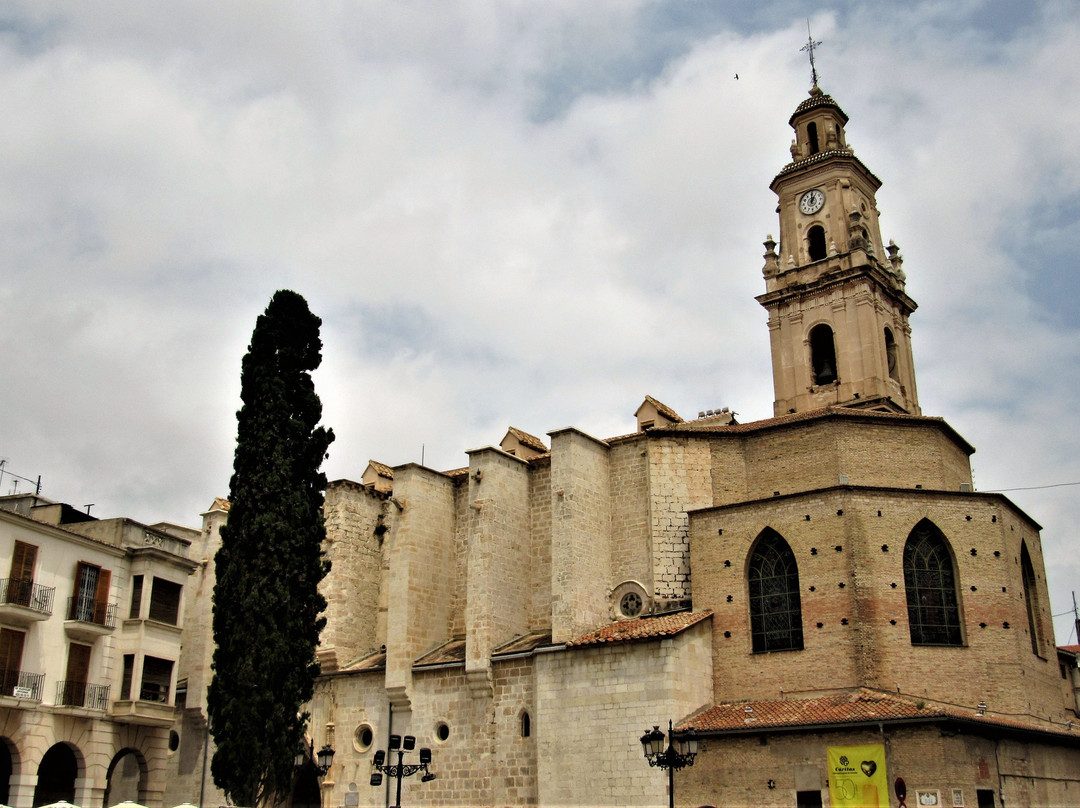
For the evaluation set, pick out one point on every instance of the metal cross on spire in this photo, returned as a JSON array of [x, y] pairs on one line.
[[809, 48]]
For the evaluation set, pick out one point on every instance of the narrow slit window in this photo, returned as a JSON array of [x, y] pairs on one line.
[[1031, 598]]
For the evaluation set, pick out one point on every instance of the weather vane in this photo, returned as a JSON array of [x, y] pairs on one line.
[[809, 48]]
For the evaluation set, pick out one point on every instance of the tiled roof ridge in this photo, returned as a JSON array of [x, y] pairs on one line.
[[780, 420], [795, 165], [382, 469], [641, 628], [817, 98], [858, 705], [664, 409], [526, 439], [807, 415]]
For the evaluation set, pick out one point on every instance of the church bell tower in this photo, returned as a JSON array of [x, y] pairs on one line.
[[838, 313]]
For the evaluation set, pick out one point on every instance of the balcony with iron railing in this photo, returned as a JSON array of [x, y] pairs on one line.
[[70, 693], [87, 620], [151, 708], [21, 684], [23, 602]]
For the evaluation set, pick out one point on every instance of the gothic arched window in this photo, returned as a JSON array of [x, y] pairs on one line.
[[775, 608], [1031, 596], [930, 581], [822, 355], [815, 243]]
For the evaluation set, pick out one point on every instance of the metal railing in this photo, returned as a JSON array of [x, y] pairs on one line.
[[154, 692], [20, 592], [101, 614], [21, 684], [70, 693]]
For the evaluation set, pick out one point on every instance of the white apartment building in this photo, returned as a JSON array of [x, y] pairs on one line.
[[90, 641]]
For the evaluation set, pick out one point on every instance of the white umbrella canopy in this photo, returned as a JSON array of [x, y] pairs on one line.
[[59, 804], [127, 804], [181, 805]]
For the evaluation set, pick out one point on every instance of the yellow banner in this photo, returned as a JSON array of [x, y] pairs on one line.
[[857, 777]]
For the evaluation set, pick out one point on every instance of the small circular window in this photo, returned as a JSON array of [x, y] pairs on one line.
[[442, 731], [631, 604], [629, 600], [363, 738], [174, 740]]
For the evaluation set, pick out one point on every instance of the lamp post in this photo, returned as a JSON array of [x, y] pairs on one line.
[[321, 762], [680, 753], [401, 769]]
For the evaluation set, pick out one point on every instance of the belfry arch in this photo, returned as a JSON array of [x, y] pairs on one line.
[[823, 368]]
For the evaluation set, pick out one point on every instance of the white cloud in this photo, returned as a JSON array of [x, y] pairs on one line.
[[507, 213]]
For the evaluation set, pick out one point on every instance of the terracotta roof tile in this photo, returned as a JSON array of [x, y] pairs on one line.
[[813, 415], [643, 628], [860, 706], [664, 409], [817, 99], [1072, 649], [382, 469], [531, 441]]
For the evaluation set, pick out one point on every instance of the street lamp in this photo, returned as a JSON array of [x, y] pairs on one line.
[[401, 769], [321, 762], [680, 753]]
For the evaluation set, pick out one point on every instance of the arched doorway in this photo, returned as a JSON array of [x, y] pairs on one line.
[[125, 778], [6, 769], [306, 792], [56, 776]]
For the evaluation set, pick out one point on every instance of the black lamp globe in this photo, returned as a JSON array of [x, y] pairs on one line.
[[326, 757]]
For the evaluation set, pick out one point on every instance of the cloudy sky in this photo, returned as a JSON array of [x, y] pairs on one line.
[[527, 213]]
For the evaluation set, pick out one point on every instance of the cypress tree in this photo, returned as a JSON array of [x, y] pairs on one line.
[[266, 601]]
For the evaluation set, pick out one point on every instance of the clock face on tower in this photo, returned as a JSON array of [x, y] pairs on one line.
[[812, 201]]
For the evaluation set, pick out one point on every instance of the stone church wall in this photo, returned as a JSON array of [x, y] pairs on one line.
[[499, 578], [421, 553], [631, 540], [853, 599], [592, 705], [736, 771], [358, 522], [540, 538], [680, 479], [580, 534]]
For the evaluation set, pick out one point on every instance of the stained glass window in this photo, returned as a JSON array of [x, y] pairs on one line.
[[933, 602], [775, 608]]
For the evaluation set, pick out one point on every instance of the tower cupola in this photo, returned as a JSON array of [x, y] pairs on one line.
[[838, 312]]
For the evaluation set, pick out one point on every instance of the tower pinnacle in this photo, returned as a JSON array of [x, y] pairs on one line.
[[809, 48]]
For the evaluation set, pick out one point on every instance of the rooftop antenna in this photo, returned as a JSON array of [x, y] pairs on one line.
[[809, 48]]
